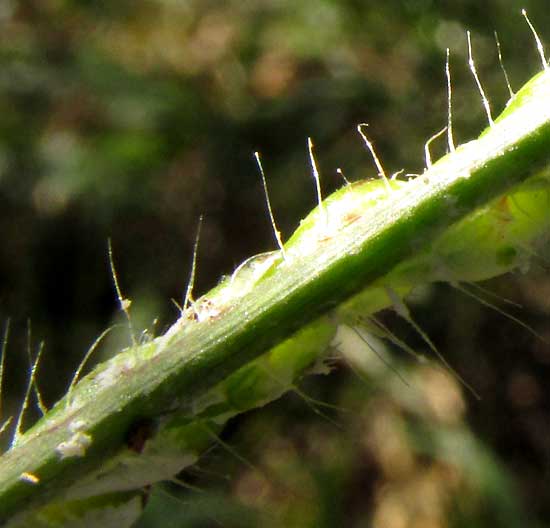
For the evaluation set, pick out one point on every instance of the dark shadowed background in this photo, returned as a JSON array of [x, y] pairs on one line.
[[128, 120]]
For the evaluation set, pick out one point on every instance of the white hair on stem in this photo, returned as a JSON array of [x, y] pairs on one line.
[[494, 295], [317, 179], [472, 65], [311, 402], [402, 310], [450, 139], [379, 356], [427, 156], [276, 232], [40, 404], [30, 383], [3, 351], [502, 312], [5, 425], [540, 47], [188, 299], [501, 62], [341, 173], [396, 175], [314, 404], [370, 146], [124, 303], [390, 336], [247, 262], [231, 450], [85, 359]]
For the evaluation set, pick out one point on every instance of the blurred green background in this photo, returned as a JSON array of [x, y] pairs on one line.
[[127, 120]]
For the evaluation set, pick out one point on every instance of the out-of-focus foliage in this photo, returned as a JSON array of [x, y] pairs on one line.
[[129, 119]]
